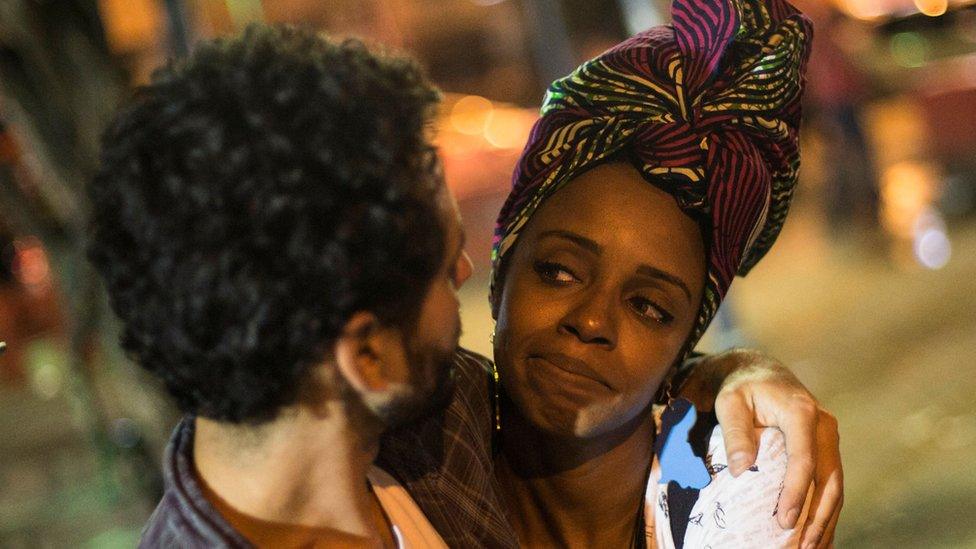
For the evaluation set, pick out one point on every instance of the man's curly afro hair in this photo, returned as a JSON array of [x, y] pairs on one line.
[[251, 198]]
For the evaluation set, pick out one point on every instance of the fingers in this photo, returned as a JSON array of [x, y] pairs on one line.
[[827, 540], [824, 510], [736, 417], [799, 426], [820, 536], [828, 496]]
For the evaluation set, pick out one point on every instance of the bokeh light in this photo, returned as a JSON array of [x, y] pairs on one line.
[[31, 265], [931, 242], [932, 8], [932, 248], [508, 128], [863, 9], [910, 49], [470, 113], [907, 191]]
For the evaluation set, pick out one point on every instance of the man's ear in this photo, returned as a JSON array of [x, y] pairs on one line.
[[366, 353]]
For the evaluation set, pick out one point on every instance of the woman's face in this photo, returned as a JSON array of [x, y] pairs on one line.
[[600, 294]]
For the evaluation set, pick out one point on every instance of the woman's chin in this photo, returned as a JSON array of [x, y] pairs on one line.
[[572, 422]]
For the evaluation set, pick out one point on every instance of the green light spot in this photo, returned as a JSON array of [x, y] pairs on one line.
[[910, 49], [244, 12]]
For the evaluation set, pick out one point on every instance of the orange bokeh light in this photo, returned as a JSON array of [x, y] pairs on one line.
[[932, 8]]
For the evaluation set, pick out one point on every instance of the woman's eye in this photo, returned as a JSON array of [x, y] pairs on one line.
[[648, 309], [554, 272]]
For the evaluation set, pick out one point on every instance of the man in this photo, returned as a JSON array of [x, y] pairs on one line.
[[274, 233]]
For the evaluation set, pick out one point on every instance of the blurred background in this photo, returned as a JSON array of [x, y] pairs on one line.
[[870, 294]]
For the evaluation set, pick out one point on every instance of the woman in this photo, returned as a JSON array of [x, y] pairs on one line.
[[593, 313], [657, 172], [606, 281]]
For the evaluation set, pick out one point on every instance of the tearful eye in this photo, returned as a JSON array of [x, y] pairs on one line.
[[650, 310], [554, 272]]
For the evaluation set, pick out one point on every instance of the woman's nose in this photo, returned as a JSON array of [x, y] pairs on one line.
[[592, 319]]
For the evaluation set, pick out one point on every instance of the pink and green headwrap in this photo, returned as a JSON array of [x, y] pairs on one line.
[[707, 109]]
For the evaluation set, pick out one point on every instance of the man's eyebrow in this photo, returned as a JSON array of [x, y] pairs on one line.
[[654, 272], [577, 239]]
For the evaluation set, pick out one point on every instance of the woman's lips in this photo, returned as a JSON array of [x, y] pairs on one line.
[[571, 365]]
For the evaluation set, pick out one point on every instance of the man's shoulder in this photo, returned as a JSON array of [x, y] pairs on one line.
[[184, 517], [444, 461], [472, 404], [466, 416], [164, 527], [169, 526], [472, 361]]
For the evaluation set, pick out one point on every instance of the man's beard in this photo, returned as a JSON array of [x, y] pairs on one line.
[[431, 389]]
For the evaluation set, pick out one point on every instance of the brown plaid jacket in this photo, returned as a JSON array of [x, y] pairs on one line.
[[445, 462]]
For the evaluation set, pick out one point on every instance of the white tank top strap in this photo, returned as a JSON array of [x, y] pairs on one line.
[[410, 527]]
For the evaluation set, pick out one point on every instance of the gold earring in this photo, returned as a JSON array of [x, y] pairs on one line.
[[496, 400]]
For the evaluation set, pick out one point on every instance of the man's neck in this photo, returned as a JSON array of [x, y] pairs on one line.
[[302, 468], [572, 492]]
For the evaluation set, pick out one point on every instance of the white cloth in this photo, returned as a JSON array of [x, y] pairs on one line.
[[410, 526], [730, 512]]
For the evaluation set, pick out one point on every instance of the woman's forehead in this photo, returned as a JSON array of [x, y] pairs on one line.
[[614, 197], [613, 206]]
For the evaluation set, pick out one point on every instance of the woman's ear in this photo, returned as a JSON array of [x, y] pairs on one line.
[[369, 356]]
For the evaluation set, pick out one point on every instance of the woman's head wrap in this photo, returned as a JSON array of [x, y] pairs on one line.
[[707, 109]]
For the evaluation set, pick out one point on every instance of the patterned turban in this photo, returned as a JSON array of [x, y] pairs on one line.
[[707, 109]]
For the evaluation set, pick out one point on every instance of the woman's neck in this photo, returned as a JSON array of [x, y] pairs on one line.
[[572, 492]]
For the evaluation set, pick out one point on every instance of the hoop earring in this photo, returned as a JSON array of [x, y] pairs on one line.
[[496, 402]]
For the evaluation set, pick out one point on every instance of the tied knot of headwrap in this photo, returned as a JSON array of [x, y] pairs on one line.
[[707, 109]]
